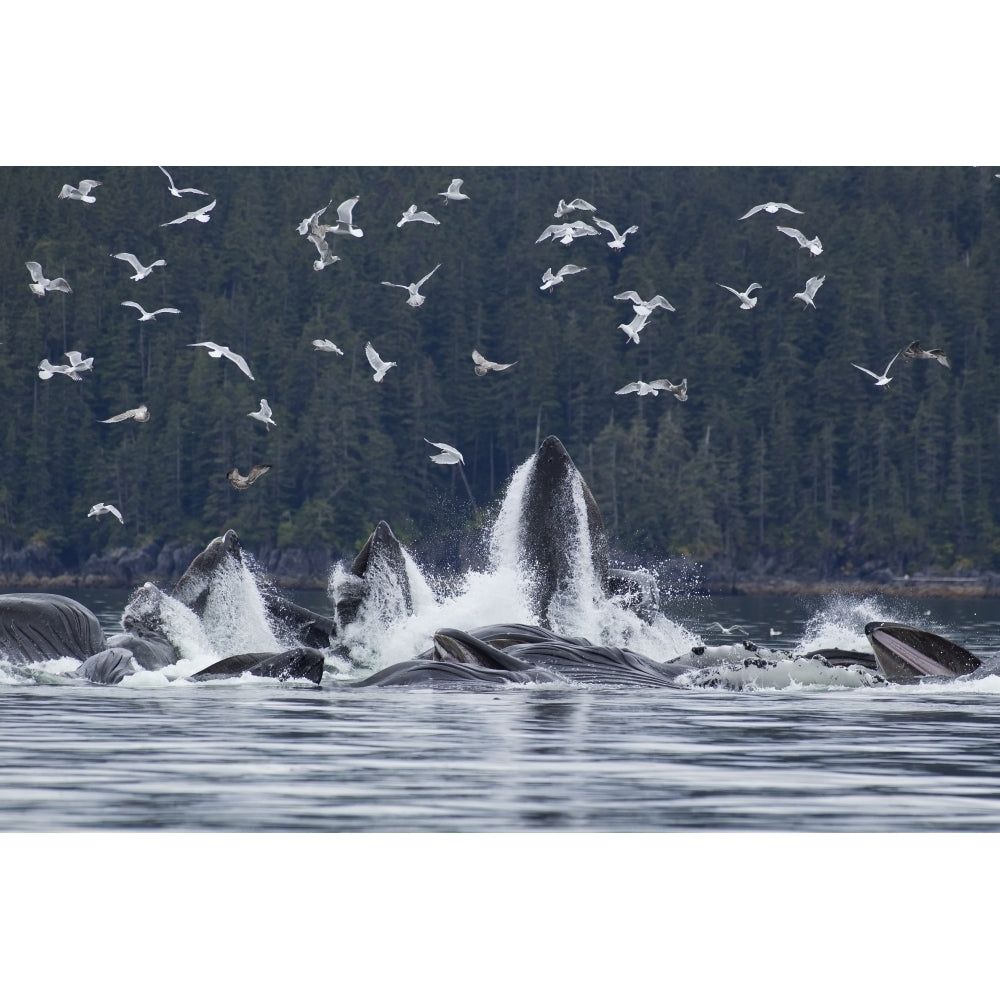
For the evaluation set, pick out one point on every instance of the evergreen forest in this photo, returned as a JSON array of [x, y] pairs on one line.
[[784, 456]]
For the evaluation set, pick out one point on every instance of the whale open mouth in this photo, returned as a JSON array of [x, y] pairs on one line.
[[907, 654]]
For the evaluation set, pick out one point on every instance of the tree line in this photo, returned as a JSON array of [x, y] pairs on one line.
[[783, 456]]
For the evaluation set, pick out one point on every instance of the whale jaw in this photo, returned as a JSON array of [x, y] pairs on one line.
[[906, 655]]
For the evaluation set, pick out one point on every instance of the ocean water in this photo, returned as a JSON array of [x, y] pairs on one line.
[[785, 755]]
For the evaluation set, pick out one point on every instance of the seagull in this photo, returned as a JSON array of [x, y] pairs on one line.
[[327, 345], [140, 415], [448, 456], [483, 366], [141, 271], [549, 279], [78, 362], [915, 351], [813, 285], [454, 192], [644, 308], [577, 204], [150, 315], [745, 301], [81, 192], [105, 508], [772, 207], [197, 214], [180, 192], [412, 215], [884, 378], [40, 284], [264, 415], [619, 238], [380, 366], [566, 232], [728, 631], [311, 222], [653, 388], [46, 370], [215, 351], [415, 299], [631, 330], [814, 245], [773, 631], [242, 482], [326, 258], [344, 226]]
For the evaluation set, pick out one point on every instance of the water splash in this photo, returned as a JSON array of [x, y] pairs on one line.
[[840, 621]]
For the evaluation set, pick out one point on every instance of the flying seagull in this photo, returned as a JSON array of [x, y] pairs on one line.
[[326, 257], [380, 366], [619, 238], [631, 330], [242, 482], [344, 225], [310, 224], [653, 388], [81, 192], [549, 279], [448, 456], [196, 214], [326, 345], [454, 192], [814, 246], [77, 363], [46, 370], [105, 508], [144, 316], [577, 204], [141, 271], [813, 285], [215, 351], [728, 631], [772, 207], [644, 307], [415, 298], [412, 215], [915, 351], [264, 415], [140, 414], [483, 366], [180, 192], [746, 302], [884, 378], [566, 232], [40, 284]]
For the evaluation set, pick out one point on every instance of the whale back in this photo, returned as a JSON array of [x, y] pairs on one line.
[[38, 627]]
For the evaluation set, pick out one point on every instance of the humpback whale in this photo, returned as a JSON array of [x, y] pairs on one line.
[[561, 529], [379, 563], [301, 663], [224, 555], [906, 655], [569, 660], [36, 627]]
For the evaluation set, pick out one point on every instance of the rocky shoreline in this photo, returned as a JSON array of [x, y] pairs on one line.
[[36, 567]]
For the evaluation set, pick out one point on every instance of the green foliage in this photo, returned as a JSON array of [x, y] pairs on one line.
[[783, 454]]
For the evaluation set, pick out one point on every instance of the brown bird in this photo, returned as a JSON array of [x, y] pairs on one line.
[[915, 351], [242, 482]]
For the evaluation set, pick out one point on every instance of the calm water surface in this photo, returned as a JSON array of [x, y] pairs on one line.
[[263, 757]]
